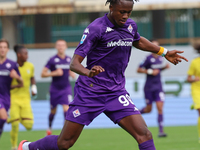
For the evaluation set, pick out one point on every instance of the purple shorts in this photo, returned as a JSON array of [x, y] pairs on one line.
[[156, 95], [4, 105], [88, 105], [62, 97]]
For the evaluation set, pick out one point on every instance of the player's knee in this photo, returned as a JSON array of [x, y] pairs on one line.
[[65, 144], [28, 124], [148, 110], [147, 135]]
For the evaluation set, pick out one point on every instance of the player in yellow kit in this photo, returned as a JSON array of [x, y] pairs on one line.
[[20, 110], [194, 79]]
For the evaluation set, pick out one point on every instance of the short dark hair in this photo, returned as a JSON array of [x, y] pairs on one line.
[[18, 48], [116, 1], [197, 47], [5, 41]]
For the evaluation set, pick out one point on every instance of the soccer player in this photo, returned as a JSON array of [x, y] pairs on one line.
[[60, 90], [20, 109], [107, 42], [194, 78], [8, 70], [153, 91]]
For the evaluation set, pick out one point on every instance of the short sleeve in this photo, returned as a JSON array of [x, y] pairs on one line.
[[191, 70], [16, 68], [144, 63], [48, 65], [136, 33], [88, 41]]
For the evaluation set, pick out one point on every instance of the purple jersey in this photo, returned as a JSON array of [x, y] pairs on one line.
[[110, 47], [5, 81], [153, 82], [60, 82]]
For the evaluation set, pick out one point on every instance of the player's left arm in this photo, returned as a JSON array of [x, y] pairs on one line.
[[172, 56], [72, 74], [33, 82]]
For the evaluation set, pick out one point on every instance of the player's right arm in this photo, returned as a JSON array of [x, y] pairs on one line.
[[78, 68], [45, 72]]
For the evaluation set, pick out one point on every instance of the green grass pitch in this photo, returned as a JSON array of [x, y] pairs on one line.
[[179, 138]]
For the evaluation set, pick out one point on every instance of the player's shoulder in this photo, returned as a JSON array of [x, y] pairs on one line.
[[52, 58], [29, 64], [10, 63], [131, 22], [97, 26], [196, 60]]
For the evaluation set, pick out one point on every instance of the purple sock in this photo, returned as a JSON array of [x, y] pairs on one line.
[[2, 121], [148, 145], [51, 117], [160, 122], [47, 143], [142, 110]]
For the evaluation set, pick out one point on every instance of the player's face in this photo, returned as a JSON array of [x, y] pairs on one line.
[[120, 12], [23, 55], [61, 46], [3, 49]]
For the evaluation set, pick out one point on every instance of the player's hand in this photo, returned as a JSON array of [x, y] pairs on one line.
[[95, 70], [197, 78], [59, 72], [33, 94], [174, 57], [167, 66], [155, 72]]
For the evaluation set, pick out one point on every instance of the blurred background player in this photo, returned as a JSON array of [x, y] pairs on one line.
[[20, 110], [194, 78], [60, 90], [152, 66], [8, 70]]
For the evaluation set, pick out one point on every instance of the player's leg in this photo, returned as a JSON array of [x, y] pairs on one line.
[[196, 100], [136, 126], [148, 100], [26, 116], [64, 141], [198, 125], [126, 114], [65, 109], [50, 119], [14, 119], [3, 117], [159, 105], [146, 109]]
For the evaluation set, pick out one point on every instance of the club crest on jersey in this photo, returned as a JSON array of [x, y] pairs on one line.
[[87, 30], [130, 28], [28, 71], [76, 113], [108, 29], [83, 38], [8, 65], [68, 59], [56, 59]]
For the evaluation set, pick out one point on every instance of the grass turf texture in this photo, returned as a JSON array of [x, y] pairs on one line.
[[179, 138]]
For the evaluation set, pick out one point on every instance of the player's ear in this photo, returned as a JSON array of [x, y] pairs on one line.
[[111, 8]]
